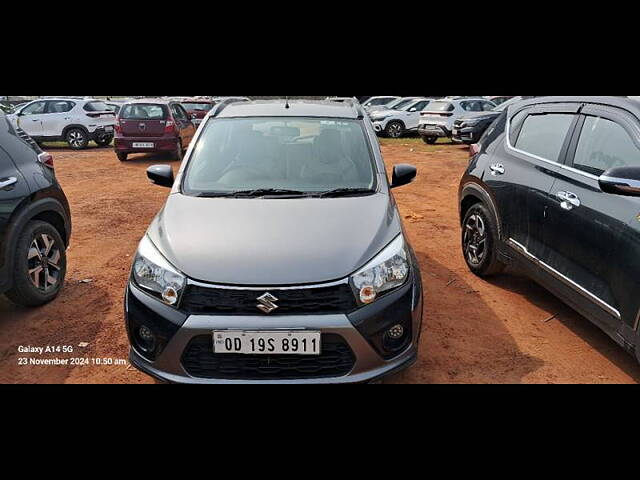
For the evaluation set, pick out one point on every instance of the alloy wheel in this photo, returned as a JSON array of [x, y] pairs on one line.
[[44, 262], [475, 239], [76, 138], [395, 130]]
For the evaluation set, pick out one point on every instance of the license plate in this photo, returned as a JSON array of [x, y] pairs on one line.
[[108, 129], [266, 342], [142, 145]]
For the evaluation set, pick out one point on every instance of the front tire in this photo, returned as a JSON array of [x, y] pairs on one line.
[[480, 241], [430, 140], [121, 156], [394, 129], [40, 266], [104, 140], [77, 139]]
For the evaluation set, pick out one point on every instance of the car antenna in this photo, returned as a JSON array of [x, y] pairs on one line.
[[286, 102]]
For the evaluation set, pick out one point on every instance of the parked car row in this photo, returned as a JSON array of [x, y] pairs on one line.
[[432, 118]]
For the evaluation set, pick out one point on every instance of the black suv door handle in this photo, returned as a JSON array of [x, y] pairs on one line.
[[568, 200], [497, 169], [7, 182]]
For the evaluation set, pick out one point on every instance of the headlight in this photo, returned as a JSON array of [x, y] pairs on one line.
[[388, 270], [153, 273], [471, 123], [380, 119]]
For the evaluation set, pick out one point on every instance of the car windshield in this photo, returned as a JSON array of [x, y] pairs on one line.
[[143, 111], [380, 101], [398, 104], [440, 107], [290, 154], [197, 106]]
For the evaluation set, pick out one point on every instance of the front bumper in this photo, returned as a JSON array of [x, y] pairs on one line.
[[469, 134], [178, 332], [379, 125], [101, 132], [433, 130]]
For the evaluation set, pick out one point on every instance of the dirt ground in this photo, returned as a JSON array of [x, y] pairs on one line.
[[473, 331]]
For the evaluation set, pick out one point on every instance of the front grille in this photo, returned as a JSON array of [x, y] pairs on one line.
[[335, 360], [225, 301]]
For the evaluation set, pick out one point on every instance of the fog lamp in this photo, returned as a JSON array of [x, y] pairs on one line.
[[147, 338], [396, 331]]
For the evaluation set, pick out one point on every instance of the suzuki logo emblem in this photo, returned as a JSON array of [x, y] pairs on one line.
[[266, 302], [142, 126]]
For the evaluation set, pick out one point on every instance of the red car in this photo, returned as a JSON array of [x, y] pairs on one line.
[[197, 109], [151, 125]]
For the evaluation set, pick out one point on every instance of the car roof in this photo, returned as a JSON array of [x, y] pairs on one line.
[[196, 100], [297, 108], [626, 103], [162, 101]]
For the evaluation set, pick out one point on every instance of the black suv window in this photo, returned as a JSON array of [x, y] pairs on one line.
[[543, 135], [604, 144]]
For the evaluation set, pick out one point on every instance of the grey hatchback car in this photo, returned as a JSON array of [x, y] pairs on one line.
[[279, 255]]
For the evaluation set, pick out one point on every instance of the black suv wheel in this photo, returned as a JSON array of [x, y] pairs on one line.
[[480, 240], [40, 265], [430, 140]]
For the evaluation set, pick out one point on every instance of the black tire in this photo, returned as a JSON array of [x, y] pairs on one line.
[[394, 129], [479, 241], [104, 140], [24, 291], [430, 140], [77, 138], [122, 156]]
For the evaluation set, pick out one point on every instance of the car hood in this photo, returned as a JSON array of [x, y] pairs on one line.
[[479, 116], [273, 242], [383, 113]]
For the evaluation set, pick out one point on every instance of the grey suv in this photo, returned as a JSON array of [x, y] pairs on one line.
[[279, 255]]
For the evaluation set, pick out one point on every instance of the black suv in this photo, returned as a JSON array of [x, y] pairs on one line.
[[555, 190], [35, 222]]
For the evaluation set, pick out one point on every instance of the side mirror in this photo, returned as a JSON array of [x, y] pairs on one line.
[[194, 116], [621, 181], [403, 174], [161, 175]]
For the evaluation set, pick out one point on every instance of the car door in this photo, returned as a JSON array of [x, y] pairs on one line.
[[524, 167], [412, 117], [13, 189], [593, 238], [30, 118], [56, 117], [186, 128]]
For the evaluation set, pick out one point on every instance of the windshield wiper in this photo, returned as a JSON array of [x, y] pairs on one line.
[[215, 194], [261, 192], [343, 192]]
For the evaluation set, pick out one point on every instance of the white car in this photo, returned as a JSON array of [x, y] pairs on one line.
[[397, 121], [438, 119], [377, 103], [73, 120]]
